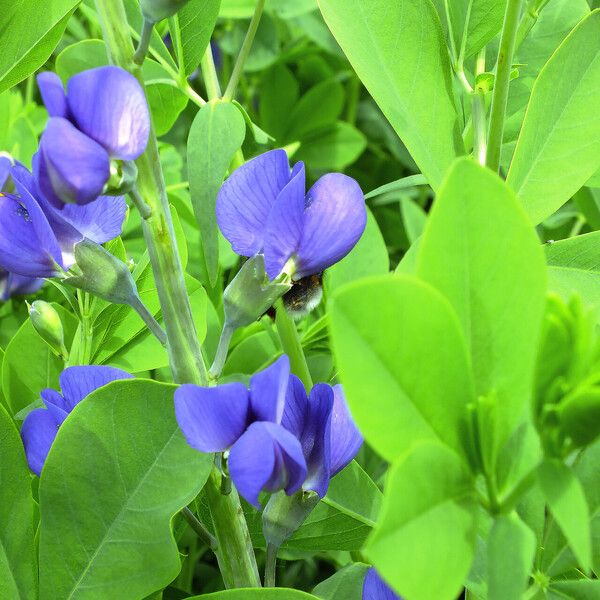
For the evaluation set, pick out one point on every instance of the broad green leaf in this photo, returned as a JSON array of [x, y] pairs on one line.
[[18, 560], [381, 328], [117, 473], [279, 92], [574, 590], [511, 547], [414, 218], [478, 243], [30, 31], [256, 594], [333, 149], [347, 583], [574, 267], [423, 544], [368, 257], [197, 21], [215, 136], [559, 146], [567, 502], [398, 51], [30, 366]]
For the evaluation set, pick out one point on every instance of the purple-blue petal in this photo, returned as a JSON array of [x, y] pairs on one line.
[[266, 457], [27, 244], [72, 167], [38, 432], [346, 440], [286, 223], [5, 167], [334, 219], [56, 405], [246, 198], [53, 94], [268, 390], [109, 105], [374, 588], [296, 407], [316, 439], [212, 419], [12, 284], [78, 382]]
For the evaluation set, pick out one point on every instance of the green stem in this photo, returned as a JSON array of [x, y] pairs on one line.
[[85, 329], [209, 73], [508, 503], [204, 534], [149, 320], [244, 51], [502, 83], [290, 342], [479, 115], [144, 44], [235, 552], [221, 355], [271, 566]]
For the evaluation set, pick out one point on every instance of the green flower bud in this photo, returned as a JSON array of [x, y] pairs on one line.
[[251, 294], [46, 321], [157, 10]]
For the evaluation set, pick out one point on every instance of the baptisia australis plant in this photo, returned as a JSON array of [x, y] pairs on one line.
[[42, 424]]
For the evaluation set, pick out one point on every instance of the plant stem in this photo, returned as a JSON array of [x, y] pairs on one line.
[[502, 83], [290, 342], [244, 51], [221, 355], [271, 566], [144, 44], [204, 534], [209, 73], [479, 115], [235, 552], [149, 320]]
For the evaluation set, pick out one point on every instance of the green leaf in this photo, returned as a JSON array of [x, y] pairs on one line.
[[511, 547], [256, 594], [574, 267], [368, 257], [347, 583], [414, 218], [30, 31], [381, 328], [279, 92], [574, 590], [398, 51], [197, 21], [559, 146], [18, 559], [108, 491], [477, 244], [566, 500], [215, 136], [30, 366], [424, 543]]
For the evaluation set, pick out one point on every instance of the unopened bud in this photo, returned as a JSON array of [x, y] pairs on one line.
[[157, 10], [46, 321]]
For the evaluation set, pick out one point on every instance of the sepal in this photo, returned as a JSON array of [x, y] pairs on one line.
[[157, 10], [46, 321]]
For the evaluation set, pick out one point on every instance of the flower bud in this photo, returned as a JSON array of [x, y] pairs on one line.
[[157, 10], [251, 294], [283, 515], [47, 323]]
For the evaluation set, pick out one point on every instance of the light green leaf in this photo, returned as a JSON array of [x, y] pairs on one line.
[[424, 543], [197, 21], [347, 583], [566, 500], [368, 257], [559, 146], [477, 245], [414, 218], [215, 136], [108, 491], [574, 590], [279, 92], [574, 267], [511, 547], [31, 29], [256, 594], [18, 560], [381, 328], [398, 51]]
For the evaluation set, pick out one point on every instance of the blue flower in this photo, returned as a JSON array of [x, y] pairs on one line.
[[263, 455], [374, 588], [103, 116], [37, 239], [41, 425], [264, 208], [324, 426]]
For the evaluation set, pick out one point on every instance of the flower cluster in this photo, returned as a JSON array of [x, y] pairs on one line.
[[41, 424], [275, 436], [264, 208], [103, 116]]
